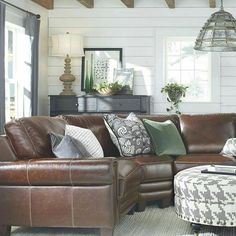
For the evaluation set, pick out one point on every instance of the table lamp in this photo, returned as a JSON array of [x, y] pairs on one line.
[[67, 46]]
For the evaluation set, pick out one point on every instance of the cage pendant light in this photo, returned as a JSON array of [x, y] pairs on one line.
[[218, 34]]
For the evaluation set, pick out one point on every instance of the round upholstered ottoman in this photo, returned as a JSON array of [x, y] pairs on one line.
[[208, 199]]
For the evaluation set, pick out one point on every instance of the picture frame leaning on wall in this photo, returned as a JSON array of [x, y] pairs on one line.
[[98, 66]]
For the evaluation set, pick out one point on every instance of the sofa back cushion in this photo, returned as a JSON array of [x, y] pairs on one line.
[[163, 118], [96, 124], [207, 133], [29, 137]]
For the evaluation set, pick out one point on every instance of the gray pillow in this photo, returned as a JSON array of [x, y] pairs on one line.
[[67, 147], [129, 135], [229, 148]]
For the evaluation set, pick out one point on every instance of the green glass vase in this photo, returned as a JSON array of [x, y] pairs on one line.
[[91, 74], [87, 81]]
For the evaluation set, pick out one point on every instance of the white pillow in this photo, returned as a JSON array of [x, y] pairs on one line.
[[87, 139], [229, 147]]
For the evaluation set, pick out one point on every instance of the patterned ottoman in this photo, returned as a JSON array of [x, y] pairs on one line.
[[208, 199]]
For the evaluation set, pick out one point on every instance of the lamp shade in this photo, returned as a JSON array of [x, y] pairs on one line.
[[67, 44], [218, 34]]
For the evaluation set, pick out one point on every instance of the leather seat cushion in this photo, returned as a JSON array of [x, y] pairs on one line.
[[191, 160], [155, 168]]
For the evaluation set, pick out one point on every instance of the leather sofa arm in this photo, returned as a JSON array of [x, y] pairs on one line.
[[58, 172], [7, 154]]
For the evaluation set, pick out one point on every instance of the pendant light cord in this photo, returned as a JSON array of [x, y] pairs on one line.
[[222, 6]]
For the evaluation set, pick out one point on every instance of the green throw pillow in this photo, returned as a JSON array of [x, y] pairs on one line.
[[165, 138]]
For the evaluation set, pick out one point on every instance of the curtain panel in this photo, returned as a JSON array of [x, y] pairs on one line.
[[2, 66], [18, 63], [32, 27]]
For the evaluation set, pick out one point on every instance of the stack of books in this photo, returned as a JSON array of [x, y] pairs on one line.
[[220, 169]]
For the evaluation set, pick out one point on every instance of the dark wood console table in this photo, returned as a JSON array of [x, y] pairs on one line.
[[139, 104]]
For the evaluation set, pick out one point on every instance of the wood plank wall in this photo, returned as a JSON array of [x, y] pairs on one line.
[[111, 24]]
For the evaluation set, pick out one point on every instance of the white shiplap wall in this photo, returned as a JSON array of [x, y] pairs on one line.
[[228, 82], [111, 24]]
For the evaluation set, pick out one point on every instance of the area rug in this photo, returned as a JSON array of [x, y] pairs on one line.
[[153, 222]]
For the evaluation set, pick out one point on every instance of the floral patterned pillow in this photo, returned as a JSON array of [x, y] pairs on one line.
[[129, 135]]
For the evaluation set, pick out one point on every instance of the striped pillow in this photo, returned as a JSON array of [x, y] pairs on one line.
[[87, 139]]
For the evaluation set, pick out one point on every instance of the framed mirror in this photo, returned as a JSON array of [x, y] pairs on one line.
[[98, 65]]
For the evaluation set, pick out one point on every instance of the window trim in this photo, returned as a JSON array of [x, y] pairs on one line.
[[161, 35], [185, 39]]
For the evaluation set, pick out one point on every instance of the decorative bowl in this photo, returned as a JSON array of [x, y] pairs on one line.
[[107, 91]]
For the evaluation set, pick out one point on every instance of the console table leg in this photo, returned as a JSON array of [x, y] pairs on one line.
[[106, 232], [5, 230], [196, 229]]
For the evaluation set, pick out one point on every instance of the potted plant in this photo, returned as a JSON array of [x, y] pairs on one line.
[[174, 94], [108, 89]]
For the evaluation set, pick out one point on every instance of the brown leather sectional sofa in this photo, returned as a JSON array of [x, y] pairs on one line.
[[37, 189]]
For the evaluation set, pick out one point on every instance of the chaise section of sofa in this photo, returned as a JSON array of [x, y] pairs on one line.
[[38, 189], [53, 192]]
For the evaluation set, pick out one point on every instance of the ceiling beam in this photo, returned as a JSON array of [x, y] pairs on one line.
[[212, 3], [87, 3], [128, 3], [49, 4], [170, 3]]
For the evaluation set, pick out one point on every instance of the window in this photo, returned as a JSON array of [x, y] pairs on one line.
[[17, 85], [189, 67]]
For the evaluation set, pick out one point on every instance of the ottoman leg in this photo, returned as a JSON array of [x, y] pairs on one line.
[[196, 229]]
